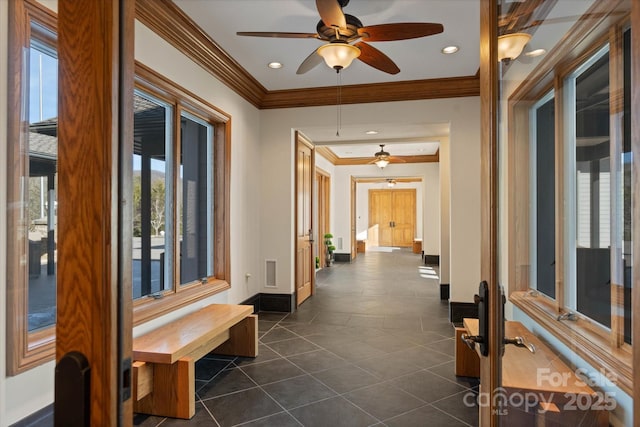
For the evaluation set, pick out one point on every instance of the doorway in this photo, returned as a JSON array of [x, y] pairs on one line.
[[392, 217], [323, 198], [304, 269]]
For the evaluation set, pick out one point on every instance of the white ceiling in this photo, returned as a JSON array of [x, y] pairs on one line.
[[417, 59]]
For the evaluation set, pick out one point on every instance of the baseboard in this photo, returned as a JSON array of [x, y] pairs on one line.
[[340, 257], [444, 291], [460, 310], [41, 417], [431, 259], [284, 303]]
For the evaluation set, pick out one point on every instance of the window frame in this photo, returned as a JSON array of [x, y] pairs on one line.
[[27, 350], [598, 345]]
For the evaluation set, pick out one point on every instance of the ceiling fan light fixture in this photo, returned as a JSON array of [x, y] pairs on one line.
[[338, 55], [381, 163], [510, 46]]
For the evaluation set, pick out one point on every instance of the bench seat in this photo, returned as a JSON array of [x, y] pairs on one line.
[[164, 359], [536, 375]]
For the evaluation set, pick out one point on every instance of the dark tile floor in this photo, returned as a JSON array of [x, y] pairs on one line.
[[373, 346]]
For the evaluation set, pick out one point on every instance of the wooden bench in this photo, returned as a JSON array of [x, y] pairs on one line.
[[164, 359], [563, 396]]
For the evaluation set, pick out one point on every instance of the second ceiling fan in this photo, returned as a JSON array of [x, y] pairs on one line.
[[340, 30]]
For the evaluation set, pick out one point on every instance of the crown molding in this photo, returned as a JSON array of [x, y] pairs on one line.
[[167, 20], [333, 158]]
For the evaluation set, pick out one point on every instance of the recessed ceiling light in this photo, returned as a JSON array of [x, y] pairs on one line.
[[448, 50], [275, 65], [371, 132], [536, 52]]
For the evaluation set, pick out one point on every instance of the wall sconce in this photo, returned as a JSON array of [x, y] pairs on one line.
[[510, 46]]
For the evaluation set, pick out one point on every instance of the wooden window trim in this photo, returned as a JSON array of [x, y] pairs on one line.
[[27, 350], [24, 350], [596, 344]]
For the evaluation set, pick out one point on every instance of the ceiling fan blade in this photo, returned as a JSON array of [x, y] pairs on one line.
[[331, 13], [375, 58], [279, 35], [399, 31], [310, 62]]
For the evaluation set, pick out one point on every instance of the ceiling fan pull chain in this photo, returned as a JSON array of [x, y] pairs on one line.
[[339, 106]]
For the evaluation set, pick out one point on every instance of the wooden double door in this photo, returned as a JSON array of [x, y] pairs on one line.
[[392, 217]]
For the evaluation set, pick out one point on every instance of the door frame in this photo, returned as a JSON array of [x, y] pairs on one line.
[[323, 210]]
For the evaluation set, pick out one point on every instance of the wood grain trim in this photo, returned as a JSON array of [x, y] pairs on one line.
[[490, 367], [378, 92], [327, 153], [585, 338], [90, 110], [635, 148], [174, 26], [152, 308], [24, 350], [559, 110]]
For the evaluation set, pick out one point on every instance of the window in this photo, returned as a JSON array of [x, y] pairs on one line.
[[181, 197], [179, 185], [569, 189], [32, 157], [543, 196], [152, 189]]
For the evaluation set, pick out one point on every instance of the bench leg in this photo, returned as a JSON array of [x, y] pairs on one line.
[[243, 339], [173, 392]]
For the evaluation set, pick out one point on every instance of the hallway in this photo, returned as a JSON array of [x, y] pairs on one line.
[[373, 346]]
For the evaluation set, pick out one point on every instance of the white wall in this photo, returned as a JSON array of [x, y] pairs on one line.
[[445, 205], [464, 205]]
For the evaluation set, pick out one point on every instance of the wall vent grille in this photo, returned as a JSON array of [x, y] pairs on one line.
[[270, 273]]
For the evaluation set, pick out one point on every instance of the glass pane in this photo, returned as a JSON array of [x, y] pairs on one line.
[[196, 199], [544, 196], [151, 195], [626, 189], [42, 187], [593, 190]]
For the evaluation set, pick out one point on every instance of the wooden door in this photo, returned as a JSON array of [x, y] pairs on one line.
[[403, 208], [323, 197], [304, 263], [380, 217], [392, 217], [94, 313]]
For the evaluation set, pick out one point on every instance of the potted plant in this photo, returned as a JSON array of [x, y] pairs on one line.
[[329, 248]]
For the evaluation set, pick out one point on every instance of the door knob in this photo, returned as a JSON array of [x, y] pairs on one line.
[[471, 340]]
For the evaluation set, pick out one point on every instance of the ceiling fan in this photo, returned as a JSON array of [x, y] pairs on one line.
[[340, 30], [383, 158]]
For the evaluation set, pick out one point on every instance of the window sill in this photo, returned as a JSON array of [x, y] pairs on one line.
[[149, 308], [587, 339]]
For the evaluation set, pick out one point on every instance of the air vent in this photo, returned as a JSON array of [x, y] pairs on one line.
[[270, 273], [339, 243]]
